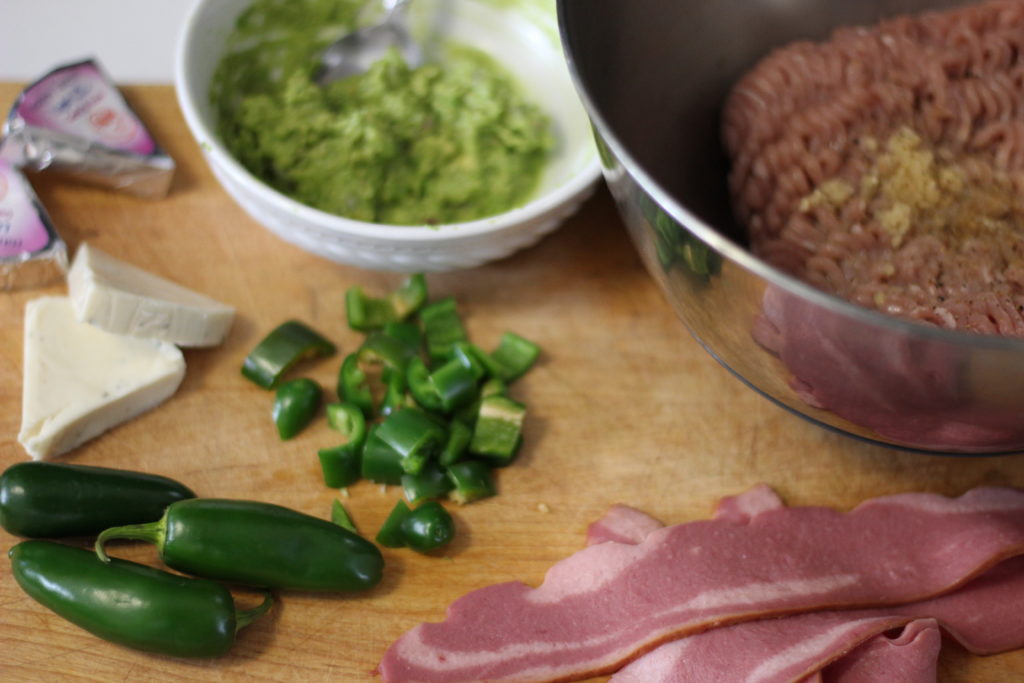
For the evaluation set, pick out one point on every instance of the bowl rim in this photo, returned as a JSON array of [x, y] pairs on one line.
[[211, 145], [743, 257]]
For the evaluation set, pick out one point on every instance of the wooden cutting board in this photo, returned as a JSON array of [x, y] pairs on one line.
[[624, 407]]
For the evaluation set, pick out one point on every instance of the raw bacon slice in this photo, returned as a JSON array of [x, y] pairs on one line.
[[982, 616], [739, 508], [911, 657], [769, 651], [622, 524], [611, 602]]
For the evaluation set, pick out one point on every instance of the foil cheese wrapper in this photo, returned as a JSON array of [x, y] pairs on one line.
[[32, 254], [76, 121]]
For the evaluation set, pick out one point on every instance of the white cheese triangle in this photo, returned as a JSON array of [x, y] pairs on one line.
[[125, 299], [80, 381]]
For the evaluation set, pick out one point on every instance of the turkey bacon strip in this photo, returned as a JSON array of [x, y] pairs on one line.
[[611, 602]]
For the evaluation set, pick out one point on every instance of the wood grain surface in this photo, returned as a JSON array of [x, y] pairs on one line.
[[624, 407]]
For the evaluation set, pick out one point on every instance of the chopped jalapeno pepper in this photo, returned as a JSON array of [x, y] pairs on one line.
[[389, 352], [394, 392], [340, 516], [442, 328], [452, 386], [380, 462], [431, 482], [459, 436], [463, 353], [410, 297], [472, 480], [414, 435], [285, 346], [295, 404], [455, 384], [493, 387], [408, 333], [348, 419], [391, 534], [498, 429], [354, 385], [365, 313], [428, 527], [341, 465], [419, 384], [513, 357]]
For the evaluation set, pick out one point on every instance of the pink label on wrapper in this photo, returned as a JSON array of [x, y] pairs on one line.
[[22, 230], [79, 100]]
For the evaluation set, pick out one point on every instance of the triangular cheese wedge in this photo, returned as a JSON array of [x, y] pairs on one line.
[[125, 299], [80, 381]]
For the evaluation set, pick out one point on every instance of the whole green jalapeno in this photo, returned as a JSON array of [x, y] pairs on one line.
[[57, 500], [131, 604], [257, 544]]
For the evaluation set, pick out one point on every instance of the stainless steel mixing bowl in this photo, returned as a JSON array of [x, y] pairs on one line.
[[653, 75]]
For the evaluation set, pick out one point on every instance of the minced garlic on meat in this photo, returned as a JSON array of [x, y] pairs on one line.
[[911, 188]]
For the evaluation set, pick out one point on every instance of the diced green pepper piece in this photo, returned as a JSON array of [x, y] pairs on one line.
[[295, 405], [459, 435], [391, 534], [409, 297], [349, 420], [365, 313], [414, 435], [339, 515], [498, 429], [464, 354], [455, 385], [289, 343], [340, 465], [513, 357], [408, 333], [354, 385], [432, 482], [385, 350], [442, 328], [472, 480], [493, 387], [419, 385], [380, 462], [428, 527], [395, 392]]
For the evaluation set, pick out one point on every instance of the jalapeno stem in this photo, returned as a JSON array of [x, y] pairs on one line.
[[153, 532], [246, 616]]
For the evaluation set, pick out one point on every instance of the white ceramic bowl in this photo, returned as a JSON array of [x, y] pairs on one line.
[[522, 35]]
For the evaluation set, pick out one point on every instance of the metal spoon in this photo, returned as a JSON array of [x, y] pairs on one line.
[[354, 53]]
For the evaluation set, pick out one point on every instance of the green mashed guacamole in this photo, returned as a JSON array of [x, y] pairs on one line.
[[447, 142]]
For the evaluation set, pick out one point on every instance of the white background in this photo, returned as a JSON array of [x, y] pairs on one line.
[[133, 39]]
